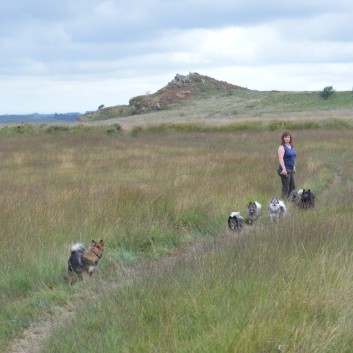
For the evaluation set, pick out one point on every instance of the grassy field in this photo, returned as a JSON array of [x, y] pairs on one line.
[[172, 278], [217, 108]]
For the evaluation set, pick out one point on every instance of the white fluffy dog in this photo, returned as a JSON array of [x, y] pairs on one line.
[[277, 209]]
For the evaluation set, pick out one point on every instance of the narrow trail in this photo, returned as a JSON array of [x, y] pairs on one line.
[[34, 337], [39, 331], [336, 182]]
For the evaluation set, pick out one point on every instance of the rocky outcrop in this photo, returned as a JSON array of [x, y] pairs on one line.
[[181, 88]]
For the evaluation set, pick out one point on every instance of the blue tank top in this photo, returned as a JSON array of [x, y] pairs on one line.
[[289, 157]]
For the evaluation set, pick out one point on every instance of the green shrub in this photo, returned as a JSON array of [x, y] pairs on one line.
[[116, 128], [327, 92]]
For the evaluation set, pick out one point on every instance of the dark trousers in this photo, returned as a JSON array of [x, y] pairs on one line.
[[288, 184]]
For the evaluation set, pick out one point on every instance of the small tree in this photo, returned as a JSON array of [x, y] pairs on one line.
[[327, 92], [101, 107]]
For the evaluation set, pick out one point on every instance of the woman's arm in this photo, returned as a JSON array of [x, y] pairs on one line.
[[281, 161]]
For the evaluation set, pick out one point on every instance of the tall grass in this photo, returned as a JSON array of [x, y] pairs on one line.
[[151, 194], [256, 126], [242, 103]]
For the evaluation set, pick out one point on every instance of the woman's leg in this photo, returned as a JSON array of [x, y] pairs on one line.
[[285, 185], [291, 182]]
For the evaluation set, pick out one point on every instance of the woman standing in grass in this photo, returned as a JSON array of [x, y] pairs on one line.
[[286, 168]]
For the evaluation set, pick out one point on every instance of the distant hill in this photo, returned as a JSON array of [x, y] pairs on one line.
[[199, 98], [38, 118], [182, 88]]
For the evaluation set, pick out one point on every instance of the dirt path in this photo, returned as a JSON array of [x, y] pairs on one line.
[[39, 331], [335, 183], [34, 337]]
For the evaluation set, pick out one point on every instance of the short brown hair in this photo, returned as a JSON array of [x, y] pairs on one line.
[[287, 133]]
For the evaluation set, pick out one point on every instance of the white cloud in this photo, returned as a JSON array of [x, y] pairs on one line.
[[76, 55], [288, 77]]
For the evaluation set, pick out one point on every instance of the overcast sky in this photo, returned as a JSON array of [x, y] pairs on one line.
[[74, 55]]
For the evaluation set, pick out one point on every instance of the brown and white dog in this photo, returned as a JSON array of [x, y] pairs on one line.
[[84, 262]]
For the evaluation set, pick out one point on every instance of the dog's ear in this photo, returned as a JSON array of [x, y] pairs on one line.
[[93, 242], [101, 242]]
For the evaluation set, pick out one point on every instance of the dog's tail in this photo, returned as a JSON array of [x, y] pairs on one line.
[[77, 247], [236, 214]]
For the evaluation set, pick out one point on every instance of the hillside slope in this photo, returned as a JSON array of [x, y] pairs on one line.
[[201, 99], [180, 89]]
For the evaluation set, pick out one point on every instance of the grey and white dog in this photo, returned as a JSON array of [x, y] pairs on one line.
[[276, 209], [254, 211], [295, 197], [235, 222]]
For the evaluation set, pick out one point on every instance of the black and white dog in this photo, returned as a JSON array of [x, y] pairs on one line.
[[302, 198], [254, 211], [276, 209], [307, 199], [235, 221]]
